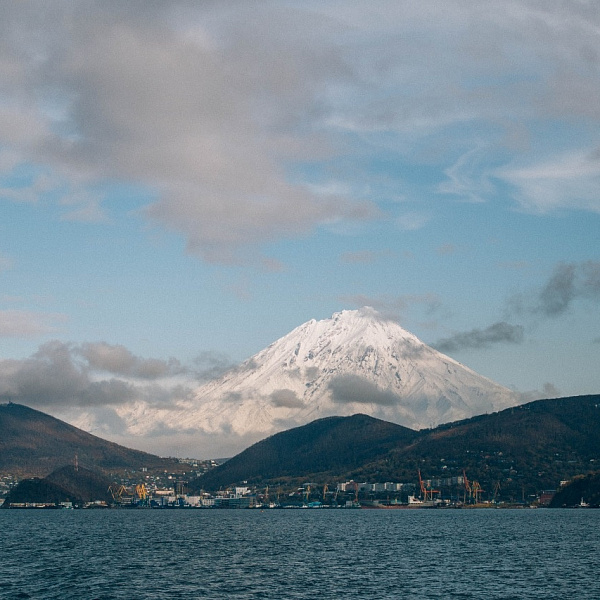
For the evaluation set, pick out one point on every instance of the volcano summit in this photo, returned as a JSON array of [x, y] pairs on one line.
[[354, 362]]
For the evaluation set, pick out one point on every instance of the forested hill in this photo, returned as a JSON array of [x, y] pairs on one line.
[[519, 451], [33, 443], [329, 446], [67, 484]]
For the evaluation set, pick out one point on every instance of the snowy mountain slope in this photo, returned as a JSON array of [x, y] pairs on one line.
[[354, 362]]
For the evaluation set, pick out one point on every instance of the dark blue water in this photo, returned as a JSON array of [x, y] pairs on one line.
[[304, 554]]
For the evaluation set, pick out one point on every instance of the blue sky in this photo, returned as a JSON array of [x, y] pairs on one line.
[[181, 183]]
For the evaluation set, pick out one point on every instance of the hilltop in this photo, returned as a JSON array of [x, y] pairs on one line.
[[33, 444], [67, 484], [582, 489], [328, 446]]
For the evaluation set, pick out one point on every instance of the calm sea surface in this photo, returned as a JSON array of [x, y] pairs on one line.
[[308, 554]]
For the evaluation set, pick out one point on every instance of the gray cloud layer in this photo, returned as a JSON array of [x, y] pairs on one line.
[[482, 338], [568, 283], [90, 375], [347, 389]]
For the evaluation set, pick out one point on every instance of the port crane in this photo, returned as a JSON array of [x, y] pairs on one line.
[[496, 490], [477, 491], [426, 492], [307, 493], [468, 489], [117, 491], [141, 492]]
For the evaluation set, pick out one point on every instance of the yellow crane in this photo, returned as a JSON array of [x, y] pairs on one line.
[[141, 492], [307, 493], [117, 491]]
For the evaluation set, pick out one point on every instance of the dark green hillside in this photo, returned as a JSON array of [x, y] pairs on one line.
[[585, 487], [39, 491], [67, 484], [33, 444], [86, 485], [522, 449], [512, 454], [322, 449]]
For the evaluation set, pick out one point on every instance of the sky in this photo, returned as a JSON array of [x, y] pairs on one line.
[[182, 183]]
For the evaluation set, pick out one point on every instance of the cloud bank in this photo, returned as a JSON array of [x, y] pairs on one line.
[[240, 121], [92, 375]]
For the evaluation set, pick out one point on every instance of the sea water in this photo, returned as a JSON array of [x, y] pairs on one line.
[[300, 554]]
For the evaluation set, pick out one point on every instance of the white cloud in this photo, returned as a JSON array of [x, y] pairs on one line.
[[218, 108], [570, 180], [22, 323]]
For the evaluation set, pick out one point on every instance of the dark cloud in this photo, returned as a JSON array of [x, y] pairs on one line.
[[347, 389], [558, 293], [568, 283], [103, 393], [64, 375], [286, 398], [48, 377], [498, 333], [590, 271]]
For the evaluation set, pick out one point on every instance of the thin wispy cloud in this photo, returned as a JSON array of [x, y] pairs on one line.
[[23, 323], [396, 308]]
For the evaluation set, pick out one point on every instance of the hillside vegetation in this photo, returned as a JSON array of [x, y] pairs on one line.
[[67, 484], [328, 446], [512, 454], [33, 444], [585, 488]]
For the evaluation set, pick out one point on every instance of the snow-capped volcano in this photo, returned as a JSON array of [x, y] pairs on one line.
[[354, 362]]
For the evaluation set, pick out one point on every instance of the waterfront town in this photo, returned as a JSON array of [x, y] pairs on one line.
[[170, 490]]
